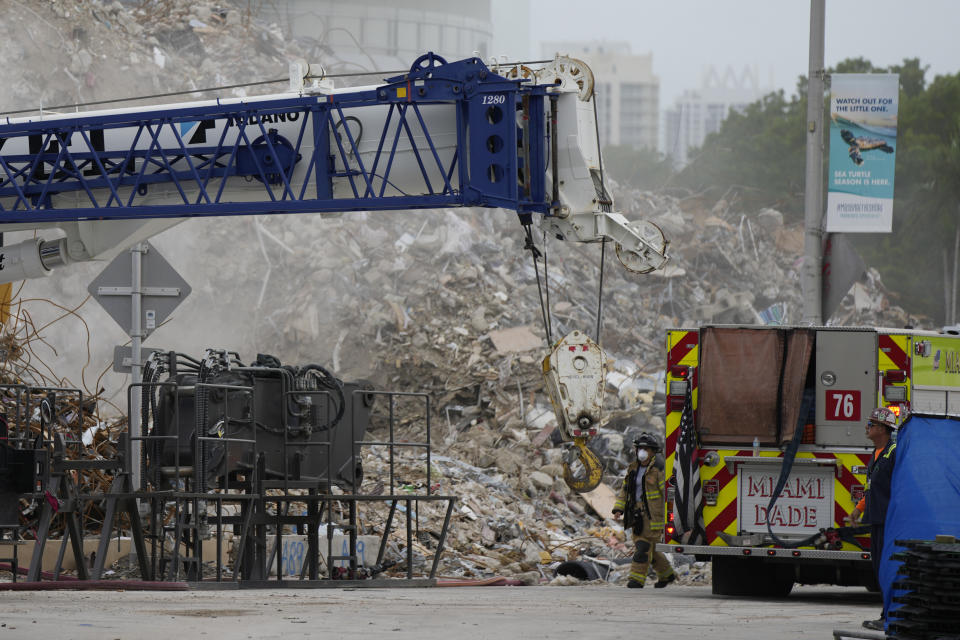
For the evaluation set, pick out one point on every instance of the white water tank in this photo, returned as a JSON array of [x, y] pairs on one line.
[[371, 35]]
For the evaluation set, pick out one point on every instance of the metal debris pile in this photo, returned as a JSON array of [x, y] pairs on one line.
[[37, 405]]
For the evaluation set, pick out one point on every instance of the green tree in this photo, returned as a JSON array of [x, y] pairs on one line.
[[912, 77], [644, 169], [856, 65], [755, 153], [927, 196], [761, 155]]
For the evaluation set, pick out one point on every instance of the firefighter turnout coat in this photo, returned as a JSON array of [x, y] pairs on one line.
[[650, 505]]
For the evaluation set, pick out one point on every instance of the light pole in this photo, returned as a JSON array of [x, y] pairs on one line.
[[813, 190]]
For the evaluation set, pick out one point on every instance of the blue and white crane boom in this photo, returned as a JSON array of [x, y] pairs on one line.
[[442, 135]]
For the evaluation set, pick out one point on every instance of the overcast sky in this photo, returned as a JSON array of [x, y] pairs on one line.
[[685, 35]]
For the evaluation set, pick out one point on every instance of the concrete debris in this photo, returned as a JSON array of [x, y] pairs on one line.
[[770, 219], [516, 340]]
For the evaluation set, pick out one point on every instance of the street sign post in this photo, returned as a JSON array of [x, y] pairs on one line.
[[123, 357], [139, 290], [161, 290]]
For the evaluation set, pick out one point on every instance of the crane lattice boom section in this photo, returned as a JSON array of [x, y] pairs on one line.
[[443, 135]]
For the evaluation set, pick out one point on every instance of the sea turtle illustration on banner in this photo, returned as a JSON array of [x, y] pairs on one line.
[[858, 145]]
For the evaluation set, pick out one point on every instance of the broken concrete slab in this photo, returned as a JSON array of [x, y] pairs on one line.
[[516, 340]]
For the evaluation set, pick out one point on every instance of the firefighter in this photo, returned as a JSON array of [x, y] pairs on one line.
[[641, 504], [873, 506]]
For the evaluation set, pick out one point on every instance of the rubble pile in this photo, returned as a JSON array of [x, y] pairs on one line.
[[446, 302], [522, 523], [35, 406], [454, 312], [64, 53]]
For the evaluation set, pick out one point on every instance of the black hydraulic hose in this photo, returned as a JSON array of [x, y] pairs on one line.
[[345, 123], [183, 356], [333, 383], [200, 425], [286, 374], [788, 457], [147, 402], [152, 374], [782, 336], [288, 382]]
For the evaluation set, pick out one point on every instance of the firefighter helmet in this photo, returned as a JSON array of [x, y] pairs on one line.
[[884, 416], [647, 440]]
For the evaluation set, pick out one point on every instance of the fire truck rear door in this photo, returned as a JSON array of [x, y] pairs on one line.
[[846, 379]]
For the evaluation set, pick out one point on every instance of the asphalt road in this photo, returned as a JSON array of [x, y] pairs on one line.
[[495, 613]]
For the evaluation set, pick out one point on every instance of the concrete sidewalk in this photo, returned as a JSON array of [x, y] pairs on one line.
[[496, 613]]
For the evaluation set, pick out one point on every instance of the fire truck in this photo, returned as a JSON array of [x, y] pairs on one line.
[[748, 390]]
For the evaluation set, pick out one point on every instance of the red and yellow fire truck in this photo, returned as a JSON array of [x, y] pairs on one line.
[[748, 387]]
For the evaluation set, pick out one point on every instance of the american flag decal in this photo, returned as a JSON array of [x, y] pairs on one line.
[[688, 494]]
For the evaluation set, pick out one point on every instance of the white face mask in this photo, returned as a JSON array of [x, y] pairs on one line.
[[642, 455]]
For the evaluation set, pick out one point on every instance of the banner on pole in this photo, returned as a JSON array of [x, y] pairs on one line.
[[863, 141]]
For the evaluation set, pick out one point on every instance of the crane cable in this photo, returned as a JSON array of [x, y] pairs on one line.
[[543, 290], [603, 253], [603, 242], [592, 466], [185, 92], [546, 288], [535, 253]]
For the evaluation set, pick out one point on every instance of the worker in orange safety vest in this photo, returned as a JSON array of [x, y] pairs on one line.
[[880, 428]]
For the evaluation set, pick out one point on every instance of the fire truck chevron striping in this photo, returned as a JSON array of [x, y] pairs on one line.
[[748, 386]]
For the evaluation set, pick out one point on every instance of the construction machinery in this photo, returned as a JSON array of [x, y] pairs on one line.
[[254, 452], [304, 421]]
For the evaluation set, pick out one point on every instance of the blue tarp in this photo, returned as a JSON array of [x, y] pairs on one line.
[[925, 495]]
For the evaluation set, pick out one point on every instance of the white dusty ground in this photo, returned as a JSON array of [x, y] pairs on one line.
[[595, 611]]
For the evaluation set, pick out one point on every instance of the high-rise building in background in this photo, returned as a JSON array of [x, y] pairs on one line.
[[385, 35], [698, 113], [511, 33], [626, 89]]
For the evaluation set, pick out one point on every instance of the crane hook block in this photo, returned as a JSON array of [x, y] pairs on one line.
[[593, 469], [574, 373]]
